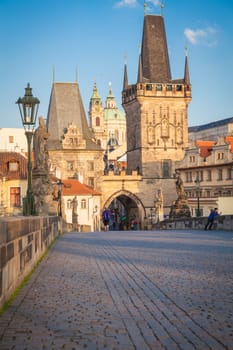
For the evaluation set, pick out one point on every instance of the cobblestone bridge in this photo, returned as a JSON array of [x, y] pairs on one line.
[[127, 290]]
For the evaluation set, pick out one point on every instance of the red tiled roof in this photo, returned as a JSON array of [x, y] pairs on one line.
[[205, 147], [229, 141], [73, 187]]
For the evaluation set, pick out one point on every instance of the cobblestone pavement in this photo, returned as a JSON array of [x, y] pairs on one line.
[[127, 290]]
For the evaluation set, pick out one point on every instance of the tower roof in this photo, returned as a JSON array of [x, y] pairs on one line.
[[66, 107], [95, 94], [154, 52]]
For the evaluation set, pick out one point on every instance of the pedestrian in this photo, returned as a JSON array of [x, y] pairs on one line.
[[106, 219], [211, 217]]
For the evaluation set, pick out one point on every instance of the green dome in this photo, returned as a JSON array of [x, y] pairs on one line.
[[113, 114]]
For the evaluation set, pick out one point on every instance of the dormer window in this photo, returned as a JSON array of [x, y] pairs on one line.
[[13, 166]]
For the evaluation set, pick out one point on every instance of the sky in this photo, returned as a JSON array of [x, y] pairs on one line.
[[43, 41]]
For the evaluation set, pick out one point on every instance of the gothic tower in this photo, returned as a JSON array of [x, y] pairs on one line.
[[156, 107]]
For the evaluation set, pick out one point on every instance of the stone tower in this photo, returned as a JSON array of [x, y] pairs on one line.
[[156, 107]]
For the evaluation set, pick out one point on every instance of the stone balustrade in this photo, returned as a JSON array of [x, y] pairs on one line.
[[222, 222], [23, 241]]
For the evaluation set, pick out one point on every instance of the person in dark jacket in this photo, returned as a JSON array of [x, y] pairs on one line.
[[211, 217], [106, 218]]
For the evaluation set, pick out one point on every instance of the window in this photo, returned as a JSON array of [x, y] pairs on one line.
[[220, 156], [15, 197], [209, 175], [219, 174], [70, 165], [188, 176], [192, 159], [199, 175], [159, 87], [149, 87], [13, 166], [83, 204], [97, 121], [90, 166], [11, 139], [178, 87], [69, 204], [229, 173], [91, 181], [166, 168], [169, 87]]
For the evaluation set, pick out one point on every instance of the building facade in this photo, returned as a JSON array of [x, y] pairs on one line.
[[207, 169], [73, 152]]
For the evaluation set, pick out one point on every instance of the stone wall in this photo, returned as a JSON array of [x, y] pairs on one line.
[[223, 222], [23, 240]]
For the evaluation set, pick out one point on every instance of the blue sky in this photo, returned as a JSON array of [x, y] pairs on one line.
[[92, 37]]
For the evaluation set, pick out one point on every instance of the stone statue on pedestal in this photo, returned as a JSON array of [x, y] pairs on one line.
[[180, 207], [41, 184]]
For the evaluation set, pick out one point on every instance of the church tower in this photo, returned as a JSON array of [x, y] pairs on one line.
[[96, 116], [156, 107]]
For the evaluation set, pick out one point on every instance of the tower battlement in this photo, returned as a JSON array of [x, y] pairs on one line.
[[156, 90]]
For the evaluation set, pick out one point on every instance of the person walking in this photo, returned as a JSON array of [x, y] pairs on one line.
[[106, 219], [211, 217]]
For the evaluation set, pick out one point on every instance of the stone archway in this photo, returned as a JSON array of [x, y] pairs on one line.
[[133, 206]]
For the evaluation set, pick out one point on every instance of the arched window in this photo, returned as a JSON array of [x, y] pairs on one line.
[[69, 204], [83, 204]]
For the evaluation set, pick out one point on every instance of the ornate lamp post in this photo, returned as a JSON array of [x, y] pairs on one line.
[[28, 107]]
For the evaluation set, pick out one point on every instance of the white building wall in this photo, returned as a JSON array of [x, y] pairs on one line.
[[13, 140]]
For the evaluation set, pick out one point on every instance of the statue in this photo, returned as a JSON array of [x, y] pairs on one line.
[[180, 208], [75, 213], [159, 205], [40, 146], [179, 186], [105, 160], [41, 183]]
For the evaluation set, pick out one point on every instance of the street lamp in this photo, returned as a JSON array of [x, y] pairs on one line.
[[197, 181], [28, 107]]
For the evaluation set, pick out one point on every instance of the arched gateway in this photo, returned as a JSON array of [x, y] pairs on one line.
[[132, 208], [121, 193]]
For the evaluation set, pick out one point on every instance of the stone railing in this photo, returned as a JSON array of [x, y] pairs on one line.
[[23, 241], [224, 223]]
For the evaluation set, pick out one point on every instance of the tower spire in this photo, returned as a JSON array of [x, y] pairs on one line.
[[145, 6], [162, 8], [125, 81], [76, 74], [186, 68]]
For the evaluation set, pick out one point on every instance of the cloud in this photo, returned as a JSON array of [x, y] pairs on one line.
[[126, 3], [155, 2], [135, 3], [206, 37]]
